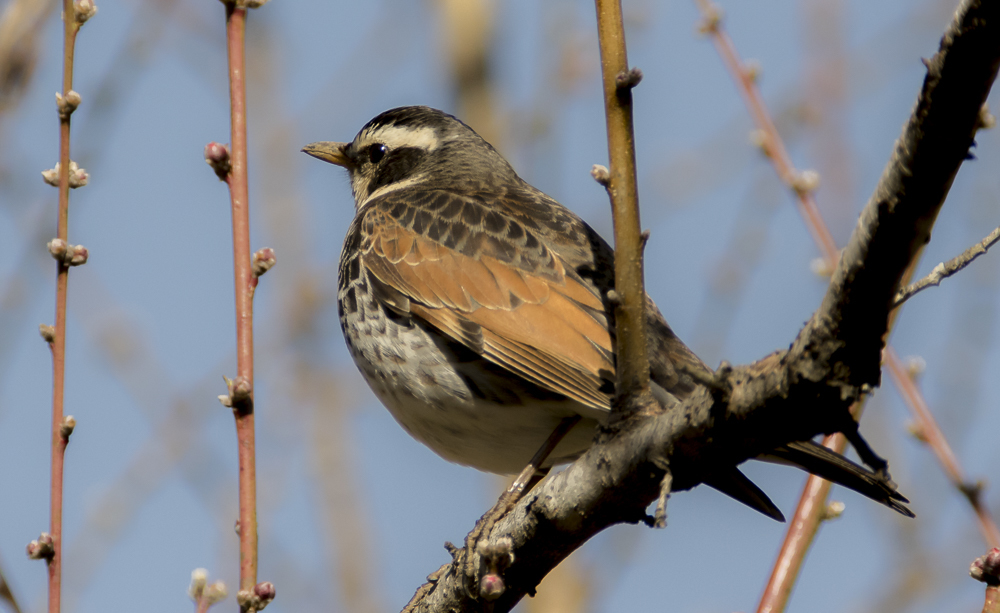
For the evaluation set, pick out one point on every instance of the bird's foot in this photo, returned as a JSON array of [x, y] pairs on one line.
[[479, 559]]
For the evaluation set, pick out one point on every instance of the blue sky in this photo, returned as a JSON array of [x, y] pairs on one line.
[[353, 512]]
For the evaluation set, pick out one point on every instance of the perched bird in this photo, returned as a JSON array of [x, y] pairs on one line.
[[476, 307]]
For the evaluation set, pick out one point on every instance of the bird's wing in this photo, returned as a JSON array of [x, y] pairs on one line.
[[483, 279]]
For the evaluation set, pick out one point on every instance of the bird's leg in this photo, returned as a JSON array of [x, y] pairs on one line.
[[529, 477], [868, 456]]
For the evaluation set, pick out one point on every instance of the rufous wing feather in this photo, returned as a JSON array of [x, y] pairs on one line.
[[548, 329]]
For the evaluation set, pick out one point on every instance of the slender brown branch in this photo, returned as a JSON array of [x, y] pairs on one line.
[[620, 181], [241, 390], [930, 432], [231, 166], [946, 269], [67, 176]]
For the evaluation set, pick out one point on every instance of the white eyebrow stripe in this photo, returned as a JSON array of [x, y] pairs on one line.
[[395, 137]]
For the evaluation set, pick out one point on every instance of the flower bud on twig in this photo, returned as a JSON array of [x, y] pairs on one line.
[[41, 548], [78, 255], [83, 10], [70, 255], [217, 156], [833, 510], [240, 396], [987, 568], [48, 333], [256, 599], [628, 80], [805, 182], [67, 427], [601, 174], [58, 248], [67, 104], [263, 260], [713, 19], [78, 177], [203, 593]]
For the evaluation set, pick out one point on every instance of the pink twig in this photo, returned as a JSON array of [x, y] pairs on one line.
[[65, 176], [241, 391], [930, 432], [770, 142], [811, 508]]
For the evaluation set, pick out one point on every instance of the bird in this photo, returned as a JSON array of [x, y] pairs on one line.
[[477, 309]]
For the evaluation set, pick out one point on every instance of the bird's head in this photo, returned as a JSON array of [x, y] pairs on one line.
[[414, 146]]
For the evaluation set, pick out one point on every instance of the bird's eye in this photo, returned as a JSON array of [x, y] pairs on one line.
[[376, 152]]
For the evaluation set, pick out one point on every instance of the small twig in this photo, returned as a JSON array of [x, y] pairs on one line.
[[946, 269], [65, 175], [930, 432], [803, 184], [231, 166], [620, 182]]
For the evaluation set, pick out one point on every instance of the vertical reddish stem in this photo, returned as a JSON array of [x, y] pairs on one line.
[[244, 280], [58, 344]]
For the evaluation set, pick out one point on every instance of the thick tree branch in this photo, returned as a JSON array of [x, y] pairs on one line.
[[834, 359]]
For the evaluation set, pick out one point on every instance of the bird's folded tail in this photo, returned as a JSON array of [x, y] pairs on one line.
[[822, 462], [738, 486]]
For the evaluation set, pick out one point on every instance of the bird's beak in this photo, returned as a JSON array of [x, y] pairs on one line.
[[329, 152]]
